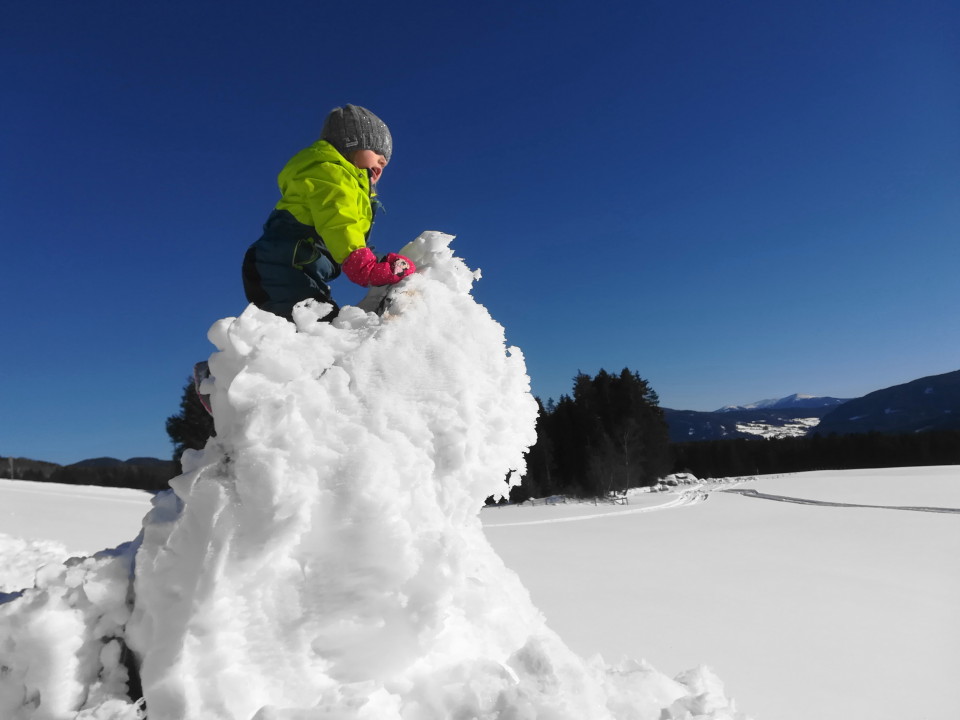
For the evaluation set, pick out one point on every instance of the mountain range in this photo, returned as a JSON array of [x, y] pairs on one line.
[[787, 403], [929, 403]]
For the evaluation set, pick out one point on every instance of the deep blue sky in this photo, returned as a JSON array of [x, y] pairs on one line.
[[738, 200]]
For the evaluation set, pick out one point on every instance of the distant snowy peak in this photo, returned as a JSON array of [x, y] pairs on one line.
[[791, 401]]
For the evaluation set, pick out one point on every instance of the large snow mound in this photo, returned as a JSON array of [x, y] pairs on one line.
[[323, 556]]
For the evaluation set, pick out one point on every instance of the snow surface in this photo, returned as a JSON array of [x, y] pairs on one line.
[[907, 487], [323, 556], [744, 585], [83, 519], [804, 611]]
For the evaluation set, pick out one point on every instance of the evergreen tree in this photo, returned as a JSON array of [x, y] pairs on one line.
[[192, 427], [610, 435], [629, 444], [568, 429]]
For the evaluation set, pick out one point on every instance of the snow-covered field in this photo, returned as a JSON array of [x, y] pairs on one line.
[[803, 611]]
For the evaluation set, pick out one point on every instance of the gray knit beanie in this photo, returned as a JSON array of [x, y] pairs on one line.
[[355, 128]]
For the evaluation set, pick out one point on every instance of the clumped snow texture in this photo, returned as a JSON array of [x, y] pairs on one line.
[[21, 558], [323, 556], [61, 642]]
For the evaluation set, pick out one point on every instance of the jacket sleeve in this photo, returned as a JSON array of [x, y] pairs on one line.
[[333, 198]]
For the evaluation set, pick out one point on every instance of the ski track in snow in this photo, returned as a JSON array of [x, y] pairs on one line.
[[824, 503]]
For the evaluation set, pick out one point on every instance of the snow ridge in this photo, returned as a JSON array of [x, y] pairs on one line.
[[790, 401]]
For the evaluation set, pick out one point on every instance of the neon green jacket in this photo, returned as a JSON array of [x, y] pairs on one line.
[[324, 190]]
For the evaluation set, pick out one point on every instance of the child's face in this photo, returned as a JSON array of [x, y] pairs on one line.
[[369, 160]]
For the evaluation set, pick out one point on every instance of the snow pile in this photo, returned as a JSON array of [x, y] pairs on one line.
[[323, 557], [61, 642]]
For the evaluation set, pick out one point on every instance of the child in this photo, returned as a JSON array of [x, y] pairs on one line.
[[323, 219]]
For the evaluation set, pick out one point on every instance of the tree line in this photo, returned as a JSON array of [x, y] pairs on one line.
[[748, 456], [139, 477], [13, 469]]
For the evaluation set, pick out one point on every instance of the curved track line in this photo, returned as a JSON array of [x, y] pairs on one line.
[[824, 503]]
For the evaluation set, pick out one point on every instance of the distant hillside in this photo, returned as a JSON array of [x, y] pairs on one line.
[[100, 462], [930, 403], [142, 473]]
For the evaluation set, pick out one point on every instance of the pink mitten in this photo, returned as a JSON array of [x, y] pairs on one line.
[[361, 267]]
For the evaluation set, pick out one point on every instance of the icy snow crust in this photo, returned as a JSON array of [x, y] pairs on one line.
[[323, 556]]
